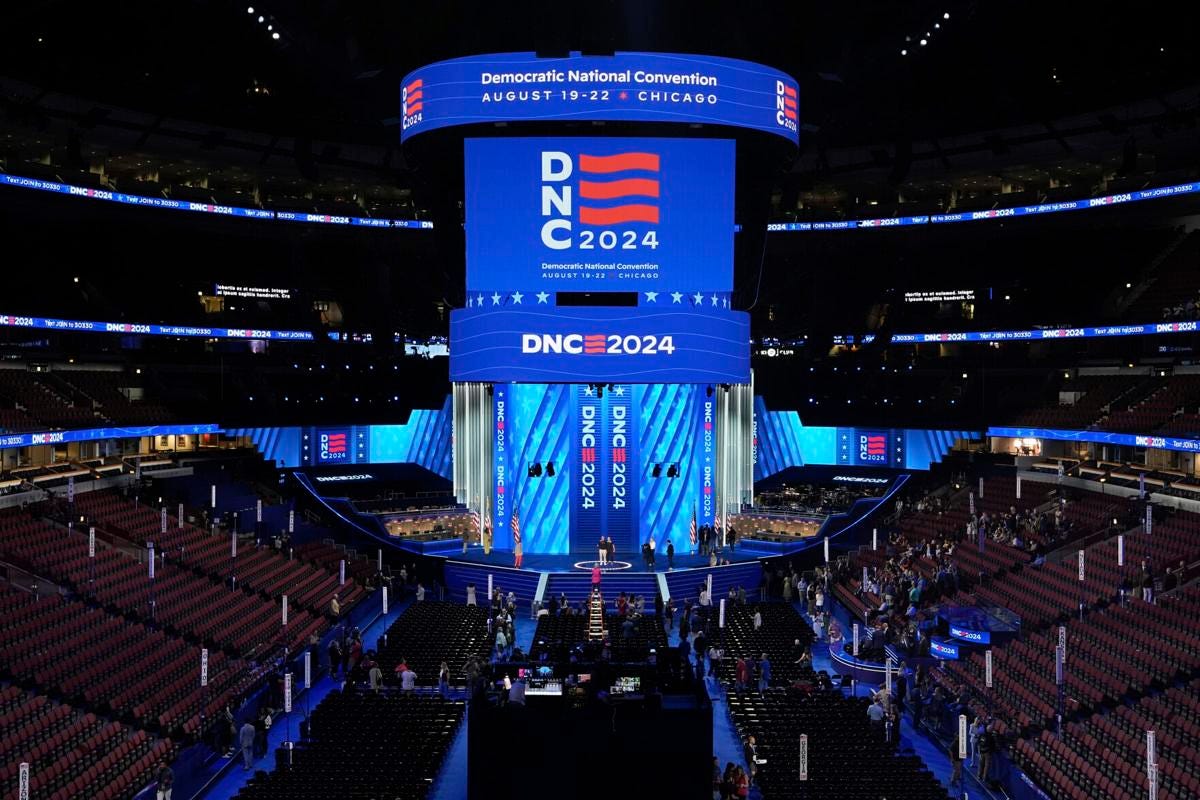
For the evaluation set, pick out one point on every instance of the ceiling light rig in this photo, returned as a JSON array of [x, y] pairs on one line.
[[927, 39]]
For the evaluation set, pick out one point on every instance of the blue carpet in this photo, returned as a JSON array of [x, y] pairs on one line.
[[234, 778]]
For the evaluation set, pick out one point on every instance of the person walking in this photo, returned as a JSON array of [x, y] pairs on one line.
[[408, 681], [742, 674], [375, 678], [246, 742], [974, 732]]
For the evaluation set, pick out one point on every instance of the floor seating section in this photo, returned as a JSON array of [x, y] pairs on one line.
[[782, 625], [430, 632], [72, 753], [262, 569], [556, 636], [846, 759], [365, 747], [143, 676]]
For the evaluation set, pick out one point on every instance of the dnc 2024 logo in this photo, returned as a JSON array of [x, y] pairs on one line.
[[872, 447], [600, 198]]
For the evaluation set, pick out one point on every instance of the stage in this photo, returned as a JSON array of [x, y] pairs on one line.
[[567, 563]]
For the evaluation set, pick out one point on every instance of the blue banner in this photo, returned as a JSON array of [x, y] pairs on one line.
[[621, 488], [1101, 437], [609, 215], [682, 343], [1038, 334], [589, 437], [623, 87], [501, 504]]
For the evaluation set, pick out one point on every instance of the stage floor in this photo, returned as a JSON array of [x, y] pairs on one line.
[[567, 563]]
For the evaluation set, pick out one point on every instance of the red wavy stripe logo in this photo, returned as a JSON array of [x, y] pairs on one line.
[[418, 94], [790, 91], [618, 162], [417, 84], [787, 102], [414, 107], [633, 212], [608, 190]]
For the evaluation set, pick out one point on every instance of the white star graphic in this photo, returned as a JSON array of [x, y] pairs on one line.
[[619, 391], [517, 298], [676, 297], [587, 391], [651, 297], [542, 296], [479, 300], [714, 301], [699, 298], [496, 299]]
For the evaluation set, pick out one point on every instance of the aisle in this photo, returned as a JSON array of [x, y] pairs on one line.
[[235, 777]]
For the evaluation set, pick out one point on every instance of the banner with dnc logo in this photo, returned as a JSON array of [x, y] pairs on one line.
[[607, 215]]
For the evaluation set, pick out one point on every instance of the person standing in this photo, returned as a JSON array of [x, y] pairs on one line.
[[375, 677], [670, 555], [420, 592], [471, 594], [603, 551], [742, 674], [757, 619], [335, 609], [652, 547], [246, 742], [444, 679], [165, 778], [518, 552], [750, 754], [764, 673], [408, 681], [987, 747], [955, 763], [974, 732]]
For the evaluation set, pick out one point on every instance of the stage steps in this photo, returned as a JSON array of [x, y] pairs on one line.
[[578, 586], [522, 582]]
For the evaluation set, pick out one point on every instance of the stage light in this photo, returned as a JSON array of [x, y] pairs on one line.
[[946, 15], [937, 25], [275, 35], [964, 376], [75, 279], [656, 472], [250, 10], [261, 18], [549, 469], [924, 42]]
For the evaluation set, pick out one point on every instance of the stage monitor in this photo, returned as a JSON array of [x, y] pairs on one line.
[[650, 216]]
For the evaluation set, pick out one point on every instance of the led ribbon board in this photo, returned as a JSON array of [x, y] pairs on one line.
[[600, 345], [623, 87], [607, 215]]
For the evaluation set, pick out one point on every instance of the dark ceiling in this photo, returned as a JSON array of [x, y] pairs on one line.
[[335, 69]]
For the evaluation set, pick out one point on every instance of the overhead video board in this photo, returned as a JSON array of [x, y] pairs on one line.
[[592, 214]]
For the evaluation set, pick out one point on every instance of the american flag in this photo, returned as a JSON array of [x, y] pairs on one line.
[[717, 513], [516, 527], [692, 528]]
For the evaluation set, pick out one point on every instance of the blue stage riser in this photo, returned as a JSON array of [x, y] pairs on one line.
[[458, 575]]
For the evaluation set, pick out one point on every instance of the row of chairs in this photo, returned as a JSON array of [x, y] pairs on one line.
[[364, 747], [73, 754]]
